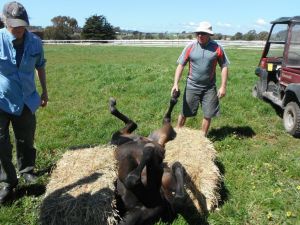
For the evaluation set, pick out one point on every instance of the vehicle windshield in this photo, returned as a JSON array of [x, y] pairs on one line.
[[277, 40], [279, 33], [293, 53]]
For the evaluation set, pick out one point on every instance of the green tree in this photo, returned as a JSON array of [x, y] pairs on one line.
[[137, 35], [149, 36], [190, 36], [161, 36], [237, 36], [63, 28], [218, 36], [97, 28], [250, 35], [263, 35]]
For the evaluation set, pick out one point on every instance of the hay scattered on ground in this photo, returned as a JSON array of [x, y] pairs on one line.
[[197, 154], [81, 189]]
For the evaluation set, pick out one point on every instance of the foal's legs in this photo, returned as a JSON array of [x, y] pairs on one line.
[[173, 185], [166, 132], [123, 135], [178, 173], [173, 101], [130, 126], [134, 177]]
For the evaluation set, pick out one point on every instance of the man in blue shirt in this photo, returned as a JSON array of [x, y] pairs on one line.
[[202, 55], [21, 53]]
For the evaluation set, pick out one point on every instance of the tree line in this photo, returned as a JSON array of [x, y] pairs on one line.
[[97, 27]]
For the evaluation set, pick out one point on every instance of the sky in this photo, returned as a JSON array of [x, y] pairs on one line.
[[227, 17]]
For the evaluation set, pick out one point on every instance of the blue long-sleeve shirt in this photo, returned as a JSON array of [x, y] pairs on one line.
[[17, 83]]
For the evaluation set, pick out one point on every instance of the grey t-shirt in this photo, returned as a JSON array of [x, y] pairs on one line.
[[202, 63]]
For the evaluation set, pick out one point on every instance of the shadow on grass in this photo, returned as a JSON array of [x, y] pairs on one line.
[[224, 193], [33, 189], [221, 133], [278, 109], [30, 190], [46, 170]]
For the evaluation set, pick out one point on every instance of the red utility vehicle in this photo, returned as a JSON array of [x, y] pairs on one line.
[[279, 71]]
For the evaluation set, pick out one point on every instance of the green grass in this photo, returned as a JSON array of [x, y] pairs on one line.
[[259, 160]]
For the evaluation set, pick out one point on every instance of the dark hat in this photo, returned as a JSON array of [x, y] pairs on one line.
[[15, 15]]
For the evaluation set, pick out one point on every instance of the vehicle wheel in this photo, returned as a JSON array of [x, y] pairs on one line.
[[291, 119], [256, 91]]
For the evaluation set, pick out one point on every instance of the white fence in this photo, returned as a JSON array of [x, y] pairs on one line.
[[156, 43]]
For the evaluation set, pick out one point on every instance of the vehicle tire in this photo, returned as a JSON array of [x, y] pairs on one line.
[[257, 90], [291, 119]]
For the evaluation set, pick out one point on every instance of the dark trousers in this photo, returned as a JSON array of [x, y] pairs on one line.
[[24, 129]]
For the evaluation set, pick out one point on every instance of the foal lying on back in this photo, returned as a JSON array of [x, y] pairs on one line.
[[147, 189]]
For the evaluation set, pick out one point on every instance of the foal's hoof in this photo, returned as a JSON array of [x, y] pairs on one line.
[[112, 105], [178, 170], [180, 196], [112, 101], [132, 180], [179, 200], [176, 94]]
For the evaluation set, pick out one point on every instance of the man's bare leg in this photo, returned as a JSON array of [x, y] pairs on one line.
[[205, 125], [181, 121]]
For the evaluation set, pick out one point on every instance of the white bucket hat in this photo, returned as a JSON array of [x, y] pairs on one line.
[[204, 27]]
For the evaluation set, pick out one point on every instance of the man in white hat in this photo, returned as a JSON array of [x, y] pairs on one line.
[[21, 53], [202, 55]]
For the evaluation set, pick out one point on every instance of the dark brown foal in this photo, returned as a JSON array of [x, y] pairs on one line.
[[146, 187]]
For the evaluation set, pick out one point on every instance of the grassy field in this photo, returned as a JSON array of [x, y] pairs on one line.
[[259, 161]]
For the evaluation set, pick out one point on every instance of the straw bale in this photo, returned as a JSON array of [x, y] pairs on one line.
[[197, 154], [81, 189]]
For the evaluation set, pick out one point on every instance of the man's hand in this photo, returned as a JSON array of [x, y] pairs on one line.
[[221, 92], [44, 99]]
